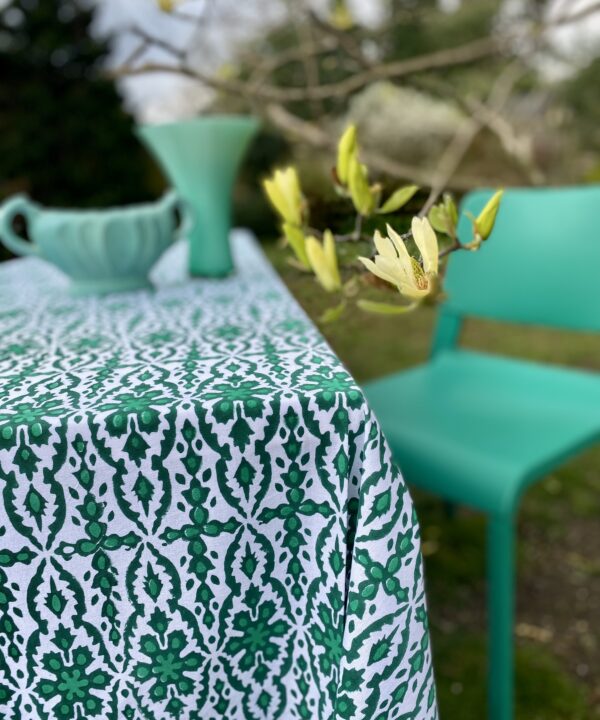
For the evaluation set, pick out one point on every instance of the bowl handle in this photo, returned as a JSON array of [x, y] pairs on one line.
[[172, 201], [17, 205]]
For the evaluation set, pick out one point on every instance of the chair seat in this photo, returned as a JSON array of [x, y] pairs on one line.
[[478, 428]]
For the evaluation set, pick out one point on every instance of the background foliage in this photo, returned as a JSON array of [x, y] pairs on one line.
[[65, 138]]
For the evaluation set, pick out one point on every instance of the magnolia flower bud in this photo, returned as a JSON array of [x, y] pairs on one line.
[[484, 223], [363, 198], [347, 148], [295, 237], [283, 190], [323, 260]]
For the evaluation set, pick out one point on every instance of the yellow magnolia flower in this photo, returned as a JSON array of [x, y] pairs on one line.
[[394, 264], [323, 260], [283, 191], [347, 149]]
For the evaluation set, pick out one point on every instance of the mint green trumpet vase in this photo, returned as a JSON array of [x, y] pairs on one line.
[[201, 157]]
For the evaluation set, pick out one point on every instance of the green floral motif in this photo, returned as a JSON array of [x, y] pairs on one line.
[[89, 343], [141, 405], [161, 337], [238, 390], [98, 543], [74, 683], [296, 505], [258, 629], [31, 416], [200, 525], [328, 632], [378, 575], [329, 385], [169, 665], [12, 349], [6, 694], [8, 602], [97, 535], [228, 332]]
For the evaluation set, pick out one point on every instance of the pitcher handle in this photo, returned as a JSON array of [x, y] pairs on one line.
[[17, 205]]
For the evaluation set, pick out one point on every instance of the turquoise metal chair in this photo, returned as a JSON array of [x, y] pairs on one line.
[[477, 428]]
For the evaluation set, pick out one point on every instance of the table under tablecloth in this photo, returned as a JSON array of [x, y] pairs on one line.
[[199, 516]]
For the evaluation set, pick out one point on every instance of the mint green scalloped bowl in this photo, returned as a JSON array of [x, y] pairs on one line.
[[102, 251]]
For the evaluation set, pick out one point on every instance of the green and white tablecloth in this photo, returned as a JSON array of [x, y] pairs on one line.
[[199, 517]]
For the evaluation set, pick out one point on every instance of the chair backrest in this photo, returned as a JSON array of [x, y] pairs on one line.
[[541, 265]]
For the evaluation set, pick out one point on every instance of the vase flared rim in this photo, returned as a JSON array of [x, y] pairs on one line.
[[203, 120]]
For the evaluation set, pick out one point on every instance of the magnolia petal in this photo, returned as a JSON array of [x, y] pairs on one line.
[[291, 182], [318, 261], [331, 257], [295, 238], [391, 268], [283, 191], [384, 245], [371, 267], [426, 240], [487, 217], [275, 197], [404, 259], [358, 184], [347, 148], [412, 291], [314, 252], [290, 185]]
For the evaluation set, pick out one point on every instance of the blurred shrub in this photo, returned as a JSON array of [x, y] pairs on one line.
[[65, 138]]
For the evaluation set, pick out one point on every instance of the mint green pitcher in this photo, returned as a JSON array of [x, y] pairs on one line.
[[201, 157], [102, 251]]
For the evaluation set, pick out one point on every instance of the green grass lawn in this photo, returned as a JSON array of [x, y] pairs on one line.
[[558, 604]]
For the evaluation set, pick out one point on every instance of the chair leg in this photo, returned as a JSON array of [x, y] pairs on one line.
[[501, 601]]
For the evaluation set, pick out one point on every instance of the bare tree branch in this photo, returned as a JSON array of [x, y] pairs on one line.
[[460, 55], [319, 38], [149, 40], [573, 17], [450, 160], [344, 40], [267, 66], [315, 136], [466, 134]]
